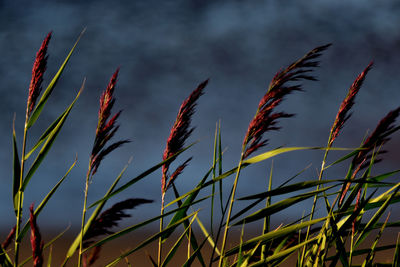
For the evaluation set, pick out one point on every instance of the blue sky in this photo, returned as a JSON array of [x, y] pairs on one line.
[[164, 49]]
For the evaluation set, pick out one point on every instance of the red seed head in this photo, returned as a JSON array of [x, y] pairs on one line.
[[39, 67], [36, 240]]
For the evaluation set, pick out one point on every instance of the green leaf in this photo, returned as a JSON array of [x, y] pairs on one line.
[[151, 239], [5, 260], [281, 205], [273, 235], [44, 202], [192, 257], [49, 142], [16, 171], [46, 94], [175, 247]]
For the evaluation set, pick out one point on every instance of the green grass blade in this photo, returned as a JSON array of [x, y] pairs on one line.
[[177, 244], [278, 206], [5, 260], [44, 202], [49, 142], [281, 150], [207, 235], [192, 257], [284, 253], [46, 134], [16, 171], [46, 94], [396, 258], [151, 239], [139, 177], [94, 215], [282, 232], [370, 225]]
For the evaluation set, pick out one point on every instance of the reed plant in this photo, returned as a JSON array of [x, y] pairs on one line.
[[353, 204]]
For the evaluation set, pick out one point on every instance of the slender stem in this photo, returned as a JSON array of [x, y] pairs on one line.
[[20, 189], [230, 208], [267, 218], [84, 215], [161, 228]]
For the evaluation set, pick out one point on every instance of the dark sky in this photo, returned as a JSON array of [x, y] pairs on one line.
[[164, 49]]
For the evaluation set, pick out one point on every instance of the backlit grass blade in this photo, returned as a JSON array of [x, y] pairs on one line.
[[139, 177], [371, 223], [281, 150], [44, 202], [16, 171], [194, 255], [177, 244], [46, 134], [396, 258], [5, 260], [165, 231], [46, 94], [207, 235], [278, 206], [191, 236], [49, 142], [282, 232], [283, 253], [94, 215]]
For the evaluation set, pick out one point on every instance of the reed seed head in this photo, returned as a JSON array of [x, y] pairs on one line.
[[39, 67], [106, 126], [36, 240], [180, 131], [110, 218], [342, 116], [266, 118]]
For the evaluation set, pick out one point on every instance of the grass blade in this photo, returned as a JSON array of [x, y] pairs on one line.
[[49, 142], [46, 94], [16, 170]]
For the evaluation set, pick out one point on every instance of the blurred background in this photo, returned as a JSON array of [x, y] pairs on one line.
[[165, 49]]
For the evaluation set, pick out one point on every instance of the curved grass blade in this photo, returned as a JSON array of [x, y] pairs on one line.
[[46, 94], [396, 261], [16, 170], [151, 239], [192, 257], [139, 177], [278, 206], [94, 215], [46, 134], [44, 202], [175, 247], [49, 142], [273, 235], [370, 225], [5, 260], [191, 237]]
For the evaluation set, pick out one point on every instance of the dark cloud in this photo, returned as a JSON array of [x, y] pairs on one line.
[[164, 50]]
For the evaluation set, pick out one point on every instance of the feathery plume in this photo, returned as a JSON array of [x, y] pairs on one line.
[[36, 240], [39, 67], [110, 218], [266, 118], [9, 238], [93, 256], [180, 132], [106, 126], [342, 116]]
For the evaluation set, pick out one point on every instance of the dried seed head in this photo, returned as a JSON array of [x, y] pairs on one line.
[[106, 126], [9, 238], [36, 240], [110, 218], [342, 116], [266, 118], [39, 67], [180, 130]]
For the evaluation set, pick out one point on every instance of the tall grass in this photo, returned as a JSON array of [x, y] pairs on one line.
[[354, 203]]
